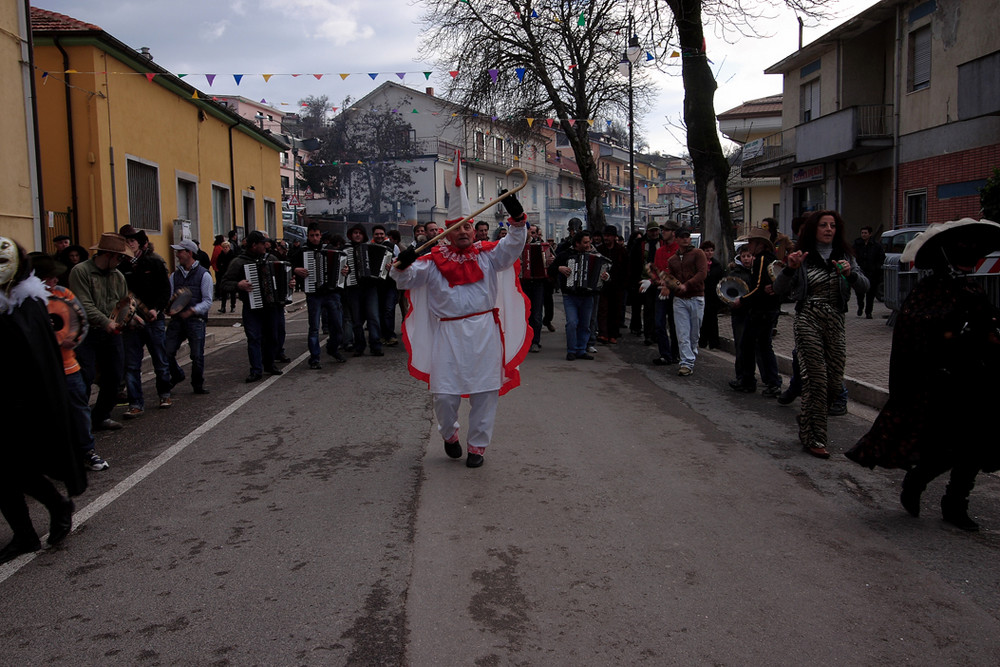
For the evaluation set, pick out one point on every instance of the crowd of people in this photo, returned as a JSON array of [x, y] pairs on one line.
[[469, 321]]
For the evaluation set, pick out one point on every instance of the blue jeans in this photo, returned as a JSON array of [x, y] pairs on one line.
[[579, 308], [688, 314], [79, 411], [535, 291], [362, 301], [102, 353], [387, 298], [260, 327], [193, 330], [152, 337], [664, 312], [324, 306]]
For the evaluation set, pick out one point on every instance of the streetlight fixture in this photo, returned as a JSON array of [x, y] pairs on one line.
[[627, 64]]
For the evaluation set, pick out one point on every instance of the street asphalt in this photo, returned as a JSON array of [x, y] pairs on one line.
[[624, 515]]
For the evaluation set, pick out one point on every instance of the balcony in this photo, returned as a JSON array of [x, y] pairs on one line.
[[846, 133], [566, 204], [769, 155]]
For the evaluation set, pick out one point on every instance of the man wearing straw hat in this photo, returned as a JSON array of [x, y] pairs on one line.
[[466, 330], [99, 286]]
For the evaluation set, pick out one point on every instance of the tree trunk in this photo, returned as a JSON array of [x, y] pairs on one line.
[[711, 169], [580, 143]]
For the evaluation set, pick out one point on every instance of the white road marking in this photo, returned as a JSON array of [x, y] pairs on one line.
[[82, 516]]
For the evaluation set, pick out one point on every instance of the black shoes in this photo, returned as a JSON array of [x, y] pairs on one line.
[[773, 391], [586, 356], [956, 512], [737, 385], [474, 460], [18, 546], [570, 356], [254, 377], [315, 365], [274, 371], [454, 449], [60, 522], [283, 359], [378, 353], [201, 390], [359, 353], [787, 396]]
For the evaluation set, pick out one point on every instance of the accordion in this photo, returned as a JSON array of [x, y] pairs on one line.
[[270, 282], [534, 261], [586, 272], [368, 260], [325, 269]]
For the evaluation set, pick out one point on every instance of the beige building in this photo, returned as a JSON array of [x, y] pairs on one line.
[[18, 169], [892, 118], [753, 198], [124, 141]]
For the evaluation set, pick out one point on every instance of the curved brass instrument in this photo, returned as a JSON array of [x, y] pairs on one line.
[[774, 268], [731, 288]]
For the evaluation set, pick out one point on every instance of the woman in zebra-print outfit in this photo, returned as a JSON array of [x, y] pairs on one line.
[[819, 276]]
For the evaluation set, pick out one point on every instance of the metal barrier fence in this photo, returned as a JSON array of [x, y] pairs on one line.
[[899, 279]]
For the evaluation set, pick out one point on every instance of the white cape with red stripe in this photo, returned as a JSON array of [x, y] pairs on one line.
[[469, 354]]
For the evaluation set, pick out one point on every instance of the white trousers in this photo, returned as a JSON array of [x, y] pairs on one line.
[[481, 416]]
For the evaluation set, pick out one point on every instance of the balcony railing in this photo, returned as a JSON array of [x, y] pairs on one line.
[[874, 120], [770, 151]]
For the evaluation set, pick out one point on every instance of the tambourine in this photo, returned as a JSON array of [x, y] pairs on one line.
[[124, 311], [731, 288], [68, 320], [774, 268], [179, 301]]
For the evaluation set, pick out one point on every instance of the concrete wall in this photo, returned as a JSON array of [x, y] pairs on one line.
[[18, 185]]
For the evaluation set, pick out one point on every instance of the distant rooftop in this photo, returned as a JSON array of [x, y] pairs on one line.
[[764, 106], [42, 20]]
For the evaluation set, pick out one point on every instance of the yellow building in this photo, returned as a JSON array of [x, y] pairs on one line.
[[123, 141], [18, 175]]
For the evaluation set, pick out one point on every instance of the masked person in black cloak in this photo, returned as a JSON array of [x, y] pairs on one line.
[[34, 400], [942, 373]]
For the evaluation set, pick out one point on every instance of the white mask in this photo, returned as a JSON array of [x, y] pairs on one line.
[[8, 260]]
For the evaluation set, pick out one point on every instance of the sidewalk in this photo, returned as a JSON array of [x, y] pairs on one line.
[[868, 346]]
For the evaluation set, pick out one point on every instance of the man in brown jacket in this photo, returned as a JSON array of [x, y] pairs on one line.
[[689, 266]]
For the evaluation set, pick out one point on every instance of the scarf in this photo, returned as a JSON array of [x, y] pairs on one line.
[[460, 267]]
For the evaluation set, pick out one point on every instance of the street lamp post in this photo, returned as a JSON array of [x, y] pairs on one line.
[[627, 64]]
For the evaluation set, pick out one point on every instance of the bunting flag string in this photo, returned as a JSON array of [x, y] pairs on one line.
[[238, 78]]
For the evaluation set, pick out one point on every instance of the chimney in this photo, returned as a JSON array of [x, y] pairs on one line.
[[429, 91], [144, 52]]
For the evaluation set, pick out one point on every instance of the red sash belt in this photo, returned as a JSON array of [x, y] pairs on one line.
[[496, 318]]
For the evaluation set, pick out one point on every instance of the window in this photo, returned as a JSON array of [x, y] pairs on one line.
[[271, 218], [515, 150], [143, 195], [222, 215], [481, 187], [499, 186], [249, 214], [534, 195], [916, 208], [499, 150], [919, 74], [480, 148], [810, 100], [187, 199]]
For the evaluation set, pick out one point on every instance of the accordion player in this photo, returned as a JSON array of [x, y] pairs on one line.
[[367, 261], [270, 283], [325, 269], [587, 272]]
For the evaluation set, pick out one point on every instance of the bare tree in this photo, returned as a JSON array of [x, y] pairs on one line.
[[365, 156], [522, 60]]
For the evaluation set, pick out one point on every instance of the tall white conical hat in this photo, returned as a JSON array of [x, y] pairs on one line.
[[458, 204]]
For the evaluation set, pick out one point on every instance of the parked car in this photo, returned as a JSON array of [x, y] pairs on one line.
[[894, 240], [294, 233]]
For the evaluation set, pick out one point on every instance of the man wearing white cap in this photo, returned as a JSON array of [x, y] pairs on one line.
[[466, 331], [188, 323]]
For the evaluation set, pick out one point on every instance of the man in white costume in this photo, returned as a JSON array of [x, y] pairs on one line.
[[466, 330]]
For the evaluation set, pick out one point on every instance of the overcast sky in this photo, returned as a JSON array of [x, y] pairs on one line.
[[330, 37]]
